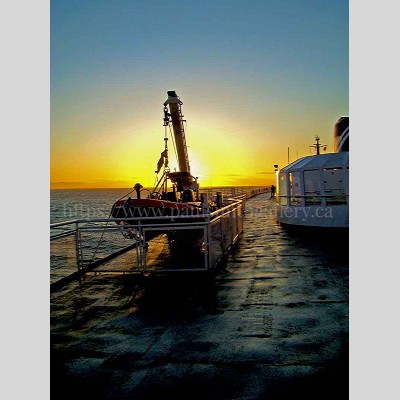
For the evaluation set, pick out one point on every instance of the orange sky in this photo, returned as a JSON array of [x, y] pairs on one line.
[[258, 80], [221, 153]]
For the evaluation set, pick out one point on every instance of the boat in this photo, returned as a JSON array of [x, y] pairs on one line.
[[313, 191], [176, 193]]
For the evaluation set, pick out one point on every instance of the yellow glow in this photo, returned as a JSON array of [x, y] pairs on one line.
[[221, 151]]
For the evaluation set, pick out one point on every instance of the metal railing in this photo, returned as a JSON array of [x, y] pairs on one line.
[[181, 243], [313, 199], [145, 245]]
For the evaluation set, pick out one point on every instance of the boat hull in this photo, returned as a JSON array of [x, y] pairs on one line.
[[156, 212], [152, 208]]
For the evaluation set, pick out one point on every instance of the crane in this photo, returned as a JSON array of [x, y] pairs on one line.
[[183, 180]]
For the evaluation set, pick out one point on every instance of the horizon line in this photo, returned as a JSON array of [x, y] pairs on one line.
[[131, 187]]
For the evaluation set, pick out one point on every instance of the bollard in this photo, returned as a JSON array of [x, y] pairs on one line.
[[219, 200], [137, 188], [204, 203]]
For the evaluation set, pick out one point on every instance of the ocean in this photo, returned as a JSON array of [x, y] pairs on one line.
[[69, 204]]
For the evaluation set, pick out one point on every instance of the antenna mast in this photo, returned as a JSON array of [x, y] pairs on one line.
[[317, 146]]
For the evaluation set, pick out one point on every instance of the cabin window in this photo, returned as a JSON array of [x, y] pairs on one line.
[[283, 190], [295, 188], [312, 187], [334, 186]]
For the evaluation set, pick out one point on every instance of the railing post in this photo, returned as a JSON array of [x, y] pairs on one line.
[[219, 199], [78, 248], [204, 203], [207, 235], [142, 246], [137, 240]]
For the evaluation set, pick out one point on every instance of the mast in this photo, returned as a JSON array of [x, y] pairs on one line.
[[317, 146], [179, 130]]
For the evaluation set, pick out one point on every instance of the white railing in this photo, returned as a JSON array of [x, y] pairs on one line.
[[145, 245], [313, 199]]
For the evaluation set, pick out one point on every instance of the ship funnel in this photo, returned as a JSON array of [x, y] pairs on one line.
[[341, 135]]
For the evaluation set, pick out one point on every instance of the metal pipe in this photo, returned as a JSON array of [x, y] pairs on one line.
[[62, 235]]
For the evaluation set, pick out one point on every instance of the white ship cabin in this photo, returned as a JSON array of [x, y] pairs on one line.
[[314, 191]]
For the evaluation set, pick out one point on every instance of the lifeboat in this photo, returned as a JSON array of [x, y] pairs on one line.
[[176, 193]]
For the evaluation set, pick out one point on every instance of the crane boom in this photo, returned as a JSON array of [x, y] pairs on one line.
[[179, 131], [183, 178]]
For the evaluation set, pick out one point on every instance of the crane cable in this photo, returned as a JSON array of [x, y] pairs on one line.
[[173, 142], [186, 135], [165, 148], [102, 234]]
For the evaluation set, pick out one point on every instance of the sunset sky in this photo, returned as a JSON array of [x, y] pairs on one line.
[[255, 77]]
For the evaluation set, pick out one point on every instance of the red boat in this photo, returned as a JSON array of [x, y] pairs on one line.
[[143, 208]]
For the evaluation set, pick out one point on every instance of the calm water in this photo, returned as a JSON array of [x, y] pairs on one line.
[[70, 204]]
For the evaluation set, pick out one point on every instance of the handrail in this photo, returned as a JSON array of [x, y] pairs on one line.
[[238, 198], [223, 210], [57, 224], [128, 219], [219, 216], [62, 234], [126, 226], [314, 195], [163, 217], [85, 232]]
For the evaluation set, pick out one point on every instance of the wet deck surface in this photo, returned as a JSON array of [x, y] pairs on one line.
[[272, 323]]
